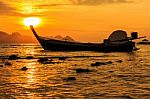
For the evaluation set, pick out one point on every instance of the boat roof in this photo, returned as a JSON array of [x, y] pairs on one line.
[[118, 35]]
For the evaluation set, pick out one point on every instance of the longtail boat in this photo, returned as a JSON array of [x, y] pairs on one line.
[[117, 42]]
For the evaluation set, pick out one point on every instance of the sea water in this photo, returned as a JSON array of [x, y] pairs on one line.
[[125, 76]]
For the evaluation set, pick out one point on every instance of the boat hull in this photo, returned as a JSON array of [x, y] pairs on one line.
[[57, 45], [145, 43]]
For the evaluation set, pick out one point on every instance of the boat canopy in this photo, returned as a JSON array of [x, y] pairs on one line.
[[117, 36]]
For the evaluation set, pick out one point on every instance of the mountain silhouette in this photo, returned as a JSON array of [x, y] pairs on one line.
[[15, 38], [66, 38]]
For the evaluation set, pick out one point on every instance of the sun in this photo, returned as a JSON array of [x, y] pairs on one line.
[[31, 21]]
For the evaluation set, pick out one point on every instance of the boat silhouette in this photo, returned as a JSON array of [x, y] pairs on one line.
[[117, 42], [145, 42]]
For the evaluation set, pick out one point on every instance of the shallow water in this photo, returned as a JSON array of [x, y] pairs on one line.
[[126, 79]]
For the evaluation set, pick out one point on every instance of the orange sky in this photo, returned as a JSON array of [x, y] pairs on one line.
[[84, 20]]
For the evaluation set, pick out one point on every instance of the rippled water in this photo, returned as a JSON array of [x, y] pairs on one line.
[[125, 79]]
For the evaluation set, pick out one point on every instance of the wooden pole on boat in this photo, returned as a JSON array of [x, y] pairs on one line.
[[33, 30], [35, 34]]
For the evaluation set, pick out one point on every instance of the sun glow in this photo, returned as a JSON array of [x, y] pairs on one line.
[[31, 21]]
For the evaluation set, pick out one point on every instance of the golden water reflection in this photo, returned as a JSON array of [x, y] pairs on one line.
[[30, 74], [30, 52], [30, 80], [119, 79]]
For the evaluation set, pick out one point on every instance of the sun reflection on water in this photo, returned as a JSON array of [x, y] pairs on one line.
[[30, 75], [30, 52], [31, 72]]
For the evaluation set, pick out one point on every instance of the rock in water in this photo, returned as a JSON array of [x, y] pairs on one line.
[[109, 62], [62, 58], [98, 64], [1, 65], [24, 68], [13, 57], [70, 79], [42, 59], [8, 63], [29, 57], [82, 70], [119, 61]]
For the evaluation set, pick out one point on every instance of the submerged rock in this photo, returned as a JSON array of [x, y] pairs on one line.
[[13, 57], [3, 60], [119, 61], [42, 59], [29, 57], [111, 71], [98, 64], [47, 61], [101, 63], [24, 68], [127, 97], [83, 70], [75, 64], [130, 60], [109, 62], [1, 65], [62, 58], [8, 63], [50, 62], [70, 79]]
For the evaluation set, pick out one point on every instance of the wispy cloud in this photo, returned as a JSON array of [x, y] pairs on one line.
[[8, 9], [98, 2], [5, 8], [55, 5], [23, 7], [82, 2]]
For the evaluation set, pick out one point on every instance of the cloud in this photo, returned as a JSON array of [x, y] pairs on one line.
[[82, 2], [5, 9], [97, 2], [11, 8]]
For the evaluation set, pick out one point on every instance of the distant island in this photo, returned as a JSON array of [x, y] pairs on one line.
[[16, 37], [144, 41], [66, 38]]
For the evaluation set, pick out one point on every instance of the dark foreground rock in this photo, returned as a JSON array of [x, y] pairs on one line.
[[101, 63], [8, 63], [29, 57], [47, 61], [83, 70], [70, 79], [13, 57], [42, 59], [24, 69], [98, 64], [1, 65], [119, 61], [62, 58]]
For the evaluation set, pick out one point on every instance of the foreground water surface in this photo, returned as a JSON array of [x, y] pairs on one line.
[[124, 76]]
